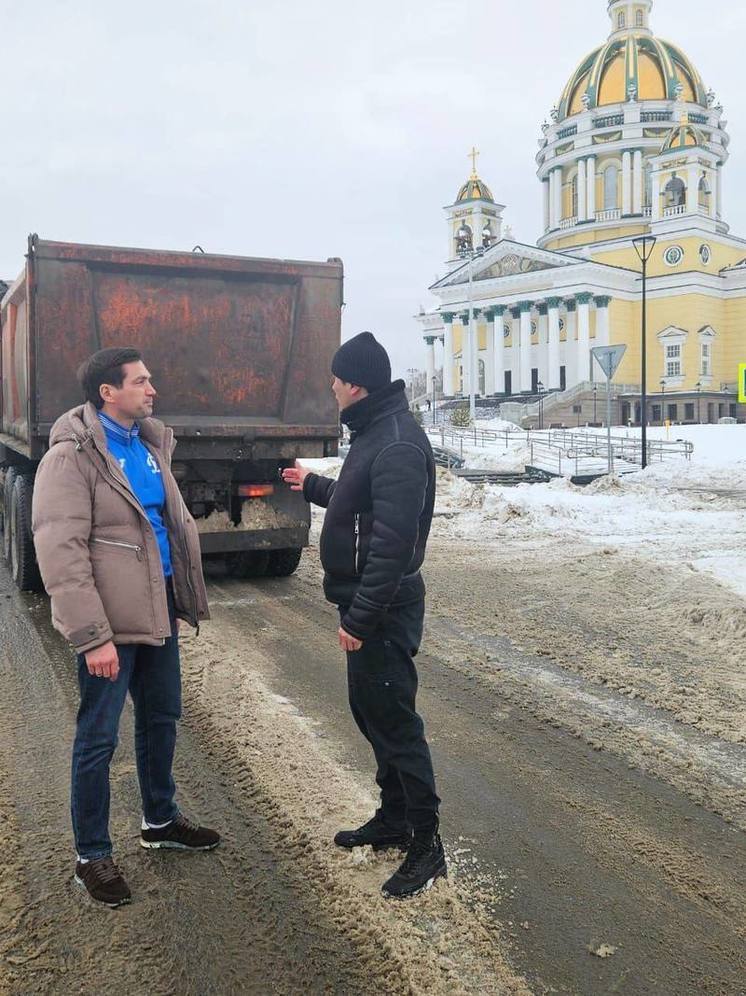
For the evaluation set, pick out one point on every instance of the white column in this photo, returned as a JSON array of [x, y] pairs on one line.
[[655, 197], [546, 187], [516, 358], [552, 202], [637, 182], [498, 374], [591, 182], [584, 337], [712, 184], [429, 364], [465, 354], [448, 355], [571, 365], [489, 359], [602, 333], [543, 351], [582, 191], [557, 195], [719, 191], [692, 190], [525, 333], [626, 183], [552, 382]]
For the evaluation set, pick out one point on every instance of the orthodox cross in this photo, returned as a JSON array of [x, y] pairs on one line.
[[473, 156]]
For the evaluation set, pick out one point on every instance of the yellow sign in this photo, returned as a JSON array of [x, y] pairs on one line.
[[742, 383]]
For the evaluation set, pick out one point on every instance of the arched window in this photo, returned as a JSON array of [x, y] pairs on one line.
[[574, 197], [675, 192], [611, 183], [704, 194], [464, 238], [639, 19], [621, 20]]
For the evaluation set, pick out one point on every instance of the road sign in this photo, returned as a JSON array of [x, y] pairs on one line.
[[742, 383], [609, 358]]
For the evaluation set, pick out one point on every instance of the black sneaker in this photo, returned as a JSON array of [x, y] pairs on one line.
[[376, 832], [181, 834], [424, 863], [103, 882]]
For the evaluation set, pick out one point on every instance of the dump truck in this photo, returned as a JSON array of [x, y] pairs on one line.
[[240, 351]]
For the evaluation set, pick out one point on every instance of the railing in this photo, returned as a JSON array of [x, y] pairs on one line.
[[611, 214], [701, 119], [568, 222], [648, 116], [647, 211], [475, 437], [567, 132], [610, 121], [626, 448], [674, 212]]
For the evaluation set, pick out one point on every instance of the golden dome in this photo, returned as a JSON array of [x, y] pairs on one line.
[[636, 64], [475, 189]]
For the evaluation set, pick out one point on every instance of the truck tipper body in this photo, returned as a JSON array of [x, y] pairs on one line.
[[239, 350]]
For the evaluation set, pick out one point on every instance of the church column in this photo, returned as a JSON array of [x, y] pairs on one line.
[[448, 354], [516, 358], [465, 354], [637, 182], [524, 310], [584, 336], [655, 197], [498, 374], [546, 188], [591, 183], [692, 189], [552, 200], [552, 382], [571, 377], [626, 183], [429, 364], [557, 173], [489, 359], [582, 190], [543, 363], [602, 333], [719, 191]]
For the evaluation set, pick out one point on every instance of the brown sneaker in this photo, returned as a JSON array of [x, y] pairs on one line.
[[103, 881], [181, 834]]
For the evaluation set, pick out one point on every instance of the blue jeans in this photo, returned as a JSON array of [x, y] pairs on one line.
[[153, 677]]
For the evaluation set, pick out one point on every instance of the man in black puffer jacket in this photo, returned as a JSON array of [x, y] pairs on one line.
[[372, 548]]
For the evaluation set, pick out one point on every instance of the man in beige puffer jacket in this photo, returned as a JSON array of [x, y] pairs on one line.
[[120, 558]]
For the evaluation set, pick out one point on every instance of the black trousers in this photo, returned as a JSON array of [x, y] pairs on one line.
[[382, 686]]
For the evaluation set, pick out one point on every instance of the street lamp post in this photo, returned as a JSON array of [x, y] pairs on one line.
[[663, 401], [644, 246], [594, 403], [540, 388], [468, 251], [698, 385]]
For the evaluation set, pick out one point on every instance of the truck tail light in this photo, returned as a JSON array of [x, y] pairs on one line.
[[255, 490]]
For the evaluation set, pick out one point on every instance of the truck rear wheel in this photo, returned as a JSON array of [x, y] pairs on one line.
[[283, 563], [23, 564], [247, 563], [7, 500]]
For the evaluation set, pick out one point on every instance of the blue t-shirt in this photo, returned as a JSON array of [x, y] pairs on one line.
[[144, 475]]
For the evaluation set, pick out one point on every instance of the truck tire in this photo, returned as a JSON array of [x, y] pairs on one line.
[[283, 563], [23, 564], [7, 499], [247, 563]]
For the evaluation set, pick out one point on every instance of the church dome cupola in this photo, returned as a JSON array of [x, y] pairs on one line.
[[474, 219]]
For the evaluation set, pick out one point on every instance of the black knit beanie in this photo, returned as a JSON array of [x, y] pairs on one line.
[[362, 361]]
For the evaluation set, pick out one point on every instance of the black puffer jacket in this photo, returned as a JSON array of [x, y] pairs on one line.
[[378, 512]]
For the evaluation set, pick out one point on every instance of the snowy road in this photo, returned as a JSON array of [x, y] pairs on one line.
[[591, 765]]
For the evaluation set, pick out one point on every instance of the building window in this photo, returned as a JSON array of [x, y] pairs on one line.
[[689, 411], [656, 413], [673, 368], [639, 19], [704, 195], [673, 413], [508, 382], [673, 352], [675, 192], [706, 365], [621, 20], [611, 178]]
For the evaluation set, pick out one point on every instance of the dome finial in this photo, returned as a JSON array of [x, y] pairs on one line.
[[473, 155]]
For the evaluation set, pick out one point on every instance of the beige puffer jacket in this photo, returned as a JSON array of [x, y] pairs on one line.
[[97, 551]]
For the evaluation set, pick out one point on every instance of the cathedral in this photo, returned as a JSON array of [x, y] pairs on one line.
[[635, 148]]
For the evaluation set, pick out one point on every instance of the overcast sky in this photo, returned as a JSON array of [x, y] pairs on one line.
[[306, 130]]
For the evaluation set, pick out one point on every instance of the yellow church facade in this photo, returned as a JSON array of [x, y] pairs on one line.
[[635, 147]]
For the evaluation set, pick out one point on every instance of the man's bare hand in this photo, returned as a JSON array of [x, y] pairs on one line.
[[347, 642], [103, 662], [295, 476]]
